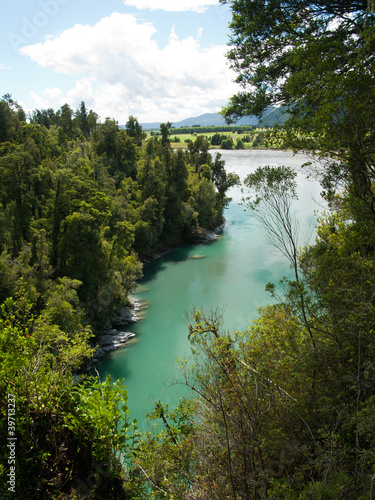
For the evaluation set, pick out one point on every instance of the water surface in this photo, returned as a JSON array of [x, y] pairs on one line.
[[230, 274]]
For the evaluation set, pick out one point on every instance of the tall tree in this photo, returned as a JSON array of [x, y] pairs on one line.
[[133, 129], [164, 129], [9, 118], [81, 116], [317, 58], [276, 44]]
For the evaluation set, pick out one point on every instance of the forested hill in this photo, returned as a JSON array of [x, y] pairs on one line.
[[81, 203]]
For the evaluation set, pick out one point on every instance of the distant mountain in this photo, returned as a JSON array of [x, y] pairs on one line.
[[213, 120], [274, 116], [277, 116], [205, 120]]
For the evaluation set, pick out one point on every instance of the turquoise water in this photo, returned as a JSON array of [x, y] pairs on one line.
[[229, 273]]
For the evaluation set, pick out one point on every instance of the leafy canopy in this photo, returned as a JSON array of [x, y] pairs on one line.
[[277, 46]]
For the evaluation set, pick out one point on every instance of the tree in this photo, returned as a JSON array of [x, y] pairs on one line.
[[165, 131], [18, 174], [239, 144], [198, 153], [275, 191], [259, 140], [106, 140], [315, 58], [68, 434], [46, 117], [134, 130], [82, 119], [223, 181], [204, 202], [274, 43], [9, 120], [117, 148], [249, 431], [66, 121], [92, 120], [227, 143]]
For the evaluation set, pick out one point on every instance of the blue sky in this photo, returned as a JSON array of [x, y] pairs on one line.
[[157, 60]]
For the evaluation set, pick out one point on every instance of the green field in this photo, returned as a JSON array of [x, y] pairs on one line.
[[184, 139]]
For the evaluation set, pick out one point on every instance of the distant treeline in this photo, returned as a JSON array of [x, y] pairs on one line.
[[197, 129]]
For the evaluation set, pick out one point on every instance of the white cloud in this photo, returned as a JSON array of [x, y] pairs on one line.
[[172, 5], [2, 66], [44, 100], [121, 70], [53, 93]]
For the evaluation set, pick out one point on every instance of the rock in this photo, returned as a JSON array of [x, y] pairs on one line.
[[155, 256], [110, 341], [207, 236], [112, 338], [126, 315]]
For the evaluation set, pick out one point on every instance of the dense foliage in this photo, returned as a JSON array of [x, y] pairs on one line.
[[284, 409], [317, 59], [240, 129], [84, 201], [81, 203]]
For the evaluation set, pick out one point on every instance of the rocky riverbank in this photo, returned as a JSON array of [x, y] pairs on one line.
[[202, 235], [114, 336], [207, 236]]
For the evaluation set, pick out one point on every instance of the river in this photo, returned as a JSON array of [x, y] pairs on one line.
[[229, 273]]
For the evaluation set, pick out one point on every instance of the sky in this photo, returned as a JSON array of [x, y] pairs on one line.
[[157, 60]]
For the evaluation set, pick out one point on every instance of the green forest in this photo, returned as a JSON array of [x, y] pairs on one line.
[[282, 410], [82, 204]]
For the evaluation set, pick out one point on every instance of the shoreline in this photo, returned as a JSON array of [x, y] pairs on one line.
[[113, 337]]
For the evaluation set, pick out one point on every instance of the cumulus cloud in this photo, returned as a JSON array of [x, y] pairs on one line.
[[121, 70], [172, 5]]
